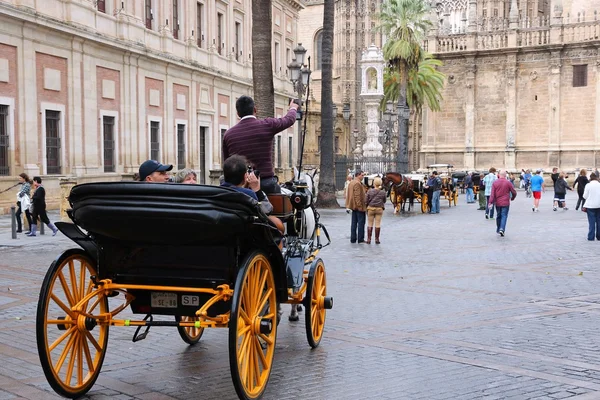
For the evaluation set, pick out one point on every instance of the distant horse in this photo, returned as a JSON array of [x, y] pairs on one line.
[[402, 188]]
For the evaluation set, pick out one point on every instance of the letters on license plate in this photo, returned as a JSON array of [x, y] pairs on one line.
[[188, 300], [163, 300]]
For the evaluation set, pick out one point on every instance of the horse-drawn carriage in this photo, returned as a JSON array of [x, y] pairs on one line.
[[205, 256], [449, 186]]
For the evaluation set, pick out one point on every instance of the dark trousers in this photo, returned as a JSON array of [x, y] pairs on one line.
[[580, 201], [593, 215], [270, 185], [489, 208], [357, 227], [18, 216], [42, 215]]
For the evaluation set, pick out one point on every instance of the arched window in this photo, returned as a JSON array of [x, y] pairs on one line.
[[319, 51]]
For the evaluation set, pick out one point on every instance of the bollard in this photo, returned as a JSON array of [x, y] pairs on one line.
[[41, 227], [13, 222]]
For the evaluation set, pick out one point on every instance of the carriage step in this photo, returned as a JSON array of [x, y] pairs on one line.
[[137, 336]]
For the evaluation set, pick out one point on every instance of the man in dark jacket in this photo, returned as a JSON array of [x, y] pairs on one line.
[[39, 208], [253, 139]]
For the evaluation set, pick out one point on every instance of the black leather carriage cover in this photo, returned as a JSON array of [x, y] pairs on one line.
[[161, 213]]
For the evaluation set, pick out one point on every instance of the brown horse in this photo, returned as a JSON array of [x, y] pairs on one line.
[[402, 189]]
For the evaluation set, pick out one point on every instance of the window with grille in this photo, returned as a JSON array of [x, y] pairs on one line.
[[319, 51], [176, 19], [279, 152], [180, 146], [336, 145], [101, 5], [154, 140], [290, 152], [53, 144], [199, 25], [277, 58], [149, 17], [201, 174], [220, 33], [579, 75], [4, 168], [108, 124]]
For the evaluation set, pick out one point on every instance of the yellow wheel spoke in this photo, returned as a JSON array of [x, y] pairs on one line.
[[59, 322], [266, 338], [80, 362], [88, 356], [82, 270], [61, 338], [245, 316], [95, 304], [72, 359], [259, 350], [242, 351], [264, 300], [73, 281], [93, 340], [244, 330], [62, 305], [255, 364], [66, 289], [65, 351]]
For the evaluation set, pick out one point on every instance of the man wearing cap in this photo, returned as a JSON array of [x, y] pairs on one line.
[[154, 172], [253, 139]]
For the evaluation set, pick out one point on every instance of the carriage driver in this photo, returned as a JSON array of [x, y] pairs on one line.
[[253, 139], [154, 172]]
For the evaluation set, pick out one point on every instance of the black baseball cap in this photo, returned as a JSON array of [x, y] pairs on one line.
[[150, 166]]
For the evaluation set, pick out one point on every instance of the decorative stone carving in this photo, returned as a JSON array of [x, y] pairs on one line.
[[52, 79], [533, 75], [108, 89], [154, 98]]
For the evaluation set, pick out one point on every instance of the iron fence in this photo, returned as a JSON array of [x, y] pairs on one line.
[[370, 165]]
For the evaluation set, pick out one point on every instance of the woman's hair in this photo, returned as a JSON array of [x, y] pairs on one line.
[[181, 175], [25, 176], [377, 182], [583, 172], [492, 170]]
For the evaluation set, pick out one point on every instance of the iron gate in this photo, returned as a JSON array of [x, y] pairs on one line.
[[369, 165]]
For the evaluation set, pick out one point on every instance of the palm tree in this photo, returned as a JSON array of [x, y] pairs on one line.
[[424, 85], [326, 197], [405, 24], [262, 64]]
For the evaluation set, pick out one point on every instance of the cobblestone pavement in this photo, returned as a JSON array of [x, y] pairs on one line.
[[442, 309]]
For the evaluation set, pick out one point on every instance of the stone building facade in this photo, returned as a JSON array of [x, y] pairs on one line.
[[89, 89], [522, 88]]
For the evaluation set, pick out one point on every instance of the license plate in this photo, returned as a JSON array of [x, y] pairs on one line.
[[163, 300], [188, 300]]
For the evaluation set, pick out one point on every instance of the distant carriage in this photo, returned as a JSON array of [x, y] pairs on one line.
[[449, 184]]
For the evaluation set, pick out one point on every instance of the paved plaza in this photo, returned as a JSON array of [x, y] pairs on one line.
[[443, 309]]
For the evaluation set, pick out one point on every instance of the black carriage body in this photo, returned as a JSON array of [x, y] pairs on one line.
[[173, 235]]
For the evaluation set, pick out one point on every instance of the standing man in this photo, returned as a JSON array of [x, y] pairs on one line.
[[356, 200], [481, 193], [591, 194], [253, 139], [503, 192], [537, 187], [434, 185], [39, 208], [469, 186], [488, 181]]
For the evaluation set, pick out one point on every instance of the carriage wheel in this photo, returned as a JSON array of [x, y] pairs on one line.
[[424, 200], [71, 347], [316, 302], [253, 327], [189, 334]]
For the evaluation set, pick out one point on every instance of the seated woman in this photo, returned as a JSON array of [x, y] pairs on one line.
[[187, 176]]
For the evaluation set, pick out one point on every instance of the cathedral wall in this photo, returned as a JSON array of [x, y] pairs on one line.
[[532, 100], [490, 103], [447, 127]]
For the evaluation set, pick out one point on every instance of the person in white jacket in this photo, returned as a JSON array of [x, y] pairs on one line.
[[591, 194]]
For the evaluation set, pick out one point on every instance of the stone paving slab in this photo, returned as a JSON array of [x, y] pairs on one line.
[[442, 309]]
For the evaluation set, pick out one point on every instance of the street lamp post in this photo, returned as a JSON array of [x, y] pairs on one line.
[[346, 115], [388, 119], [300, 76], [403, 114]]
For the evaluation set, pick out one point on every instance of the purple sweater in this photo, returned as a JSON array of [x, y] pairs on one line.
[[253, 139], [501, 192]]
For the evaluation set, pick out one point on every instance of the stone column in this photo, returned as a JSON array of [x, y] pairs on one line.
[[511, 111], [469, 157], [77, 151], [28, 105], [597, 118], [554, 111]]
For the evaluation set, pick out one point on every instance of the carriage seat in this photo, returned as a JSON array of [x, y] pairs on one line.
[[156, 213], [282, 205]]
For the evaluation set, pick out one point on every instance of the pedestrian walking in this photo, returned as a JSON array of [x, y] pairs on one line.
[[39, 208], [581, 181], [537, 187], [502, 193], [375, 206], [591, 194], [23, 202], [356, 201], [489, 180], [434, 184], [560, 191], [469, 187], [481, 193]]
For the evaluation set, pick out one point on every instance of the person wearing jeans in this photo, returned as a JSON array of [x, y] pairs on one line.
[[356, 201], [469, 187], [501, 194], [591, 194], [488, 182]]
